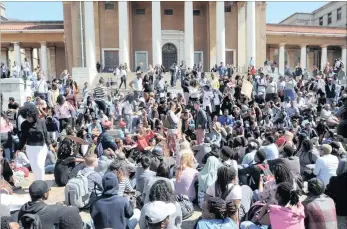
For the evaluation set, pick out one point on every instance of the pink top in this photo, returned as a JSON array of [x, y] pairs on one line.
[[5, 126], [63, 111], [287, 217]]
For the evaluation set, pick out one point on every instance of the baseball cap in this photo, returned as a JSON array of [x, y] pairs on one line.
[[38, 188], [155, 213]]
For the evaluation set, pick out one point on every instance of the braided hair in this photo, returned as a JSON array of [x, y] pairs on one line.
[[220, 208], [282, 173], [288, 194], [225, 175]]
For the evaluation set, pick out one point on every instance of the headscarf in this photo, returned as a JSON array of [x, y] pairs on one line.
[[342, 168], [208, 175]]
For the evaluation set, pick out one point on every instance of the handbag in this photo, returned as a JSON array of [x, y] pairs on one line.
[[187, 207]]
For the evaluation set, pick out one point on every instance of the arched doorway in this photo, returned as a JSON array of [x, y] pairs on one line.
[[169, 54]]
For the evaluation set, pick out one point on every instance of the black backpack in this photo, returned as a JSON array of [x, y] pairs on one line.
[[31, 221]]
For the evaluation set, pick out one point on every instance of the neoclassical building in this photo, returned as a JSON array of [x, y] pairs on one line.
[[162, 32]]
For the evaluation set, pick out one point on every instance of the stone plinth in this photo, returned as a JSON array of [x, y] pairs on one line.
[[16, 88], [82, 75]]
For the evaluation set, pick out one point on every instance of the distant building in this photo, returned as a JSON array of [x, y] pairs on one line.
[[332, 14]]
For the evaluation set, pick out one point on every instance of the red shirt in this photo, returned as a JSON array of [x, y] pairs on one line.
[[142, 141]]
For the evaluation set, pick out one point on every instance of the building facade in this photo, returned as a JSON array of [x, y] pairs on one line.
[[164, 32], [114, 33], [333, 14]]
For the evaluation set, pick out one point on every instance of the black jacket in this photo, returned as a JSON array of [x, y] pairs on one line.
[[52, 216], [34, 134], [330, 93], [337, 189]]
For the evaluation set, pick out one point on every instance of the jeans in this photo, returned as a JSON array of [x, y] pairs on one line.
[[250, 225], [7, 153], [129, 121], [49, 168]]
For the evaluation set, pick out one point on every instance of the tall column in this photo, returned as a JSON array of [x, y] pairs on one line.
[[89, 34], [241, 34], [123, 33], [324, 57], [344, 56], [251, 51], [220, 32], [35, 58], [53, 69], [17, 54], [43, 58], [29, 56], [303, 56], [281, 59], [188, 34], [156, 33]]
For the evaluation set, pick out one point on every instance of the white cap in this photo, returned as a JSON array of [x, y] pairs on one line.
[[157, 211]]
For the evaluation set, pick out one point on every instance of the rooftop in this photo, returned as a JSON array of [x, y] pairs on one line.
[[323, 30], [31, 25]]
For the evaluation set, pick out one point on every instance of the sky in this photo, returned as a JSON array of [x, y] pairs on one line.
[[41, 11]]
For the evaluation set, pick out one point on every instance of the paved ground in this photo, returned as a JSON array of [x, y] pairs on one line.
[[57, 195]]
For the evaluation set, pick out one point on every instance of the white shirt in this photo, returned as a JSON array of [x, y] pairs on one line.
[[235, 194], [281, 86], [208, 95], [137, 84], [290, 84], [271, 88], [262, 85], [127, 108], [326, 167]]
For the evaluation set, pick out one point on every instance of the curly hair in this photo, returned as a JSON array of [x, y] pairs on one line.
[[29, 110], [161, 191], [60, 99], [220, 208], [65, 149]]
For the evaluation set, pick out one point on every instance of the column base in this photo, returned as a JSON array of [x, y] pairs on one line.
[[82, 75], [16, 88]]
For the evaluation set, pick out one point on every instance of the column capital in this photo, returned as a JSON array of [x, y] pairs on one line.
[[303, 45], [343, 46], [241, 4], [324, 46], [15, 43], [282, 44], [43, 43]]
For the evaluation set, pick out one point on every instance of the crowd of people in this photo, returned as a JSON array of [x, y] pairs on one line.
[[269, 156]]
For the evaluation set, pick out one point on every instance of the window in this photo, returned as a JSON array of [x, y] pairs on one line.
[[196, 12], [339, 12], [168, 12], [227, 7], [321, 21], [329, 18], [140, 11], [141, 56], [198, 57], [109, 6]]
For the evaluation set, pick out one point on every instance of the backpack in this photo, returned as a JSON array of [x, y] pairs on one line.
[[268, 176], [31, 221], [187, 207], [76, 190]]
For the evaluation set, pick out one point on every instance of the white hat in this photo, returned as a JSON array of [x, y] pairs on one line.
[[157, 211]]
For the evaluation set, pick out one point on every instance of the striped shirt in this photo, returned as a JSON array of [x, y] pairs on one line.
[[100, 93], [124, 185]]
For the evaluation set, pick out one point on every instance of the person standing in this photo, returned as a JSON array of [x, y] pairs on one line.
[[26, 68], [100, 95], [40, 87], [172, 134], [200, 123], [173, 71], [15, 70], [35, 136], [137, 85]]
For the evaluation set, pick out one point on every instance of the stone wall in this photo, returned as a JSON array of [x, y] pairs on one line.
[[16, 88]]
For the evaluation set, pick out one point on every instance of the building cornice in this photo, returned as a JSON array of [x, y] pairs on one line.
[[34, 31]]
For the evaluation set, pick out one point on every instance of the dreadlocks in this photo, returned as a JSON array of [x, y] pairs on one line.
[[220, 208], [282, 173]]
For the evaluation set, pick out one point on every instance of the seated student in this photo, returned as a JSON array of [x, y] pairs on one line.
[[111, 210], [94, 178], [119, 167], [51, 216], [288, 213], [67, 165], [105, 160], [226, 156], [156, 217], [143, 173], [320, 209], [218, 213]]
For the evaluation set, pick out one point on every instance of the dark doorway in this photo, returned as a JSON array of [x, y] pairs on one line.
[[169, 52]]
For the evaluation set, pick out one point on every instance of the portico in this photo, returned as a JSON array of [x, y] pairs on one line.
[[307, 45]]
